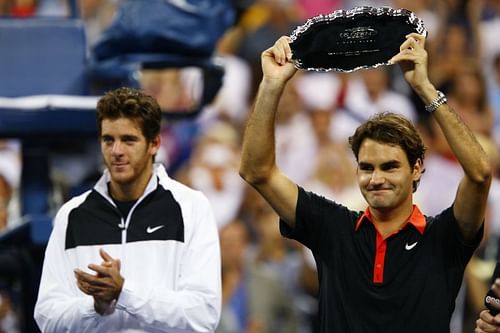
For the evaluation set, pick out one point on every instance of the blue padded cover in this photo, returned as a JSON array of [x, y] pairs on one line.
[[42, 56]]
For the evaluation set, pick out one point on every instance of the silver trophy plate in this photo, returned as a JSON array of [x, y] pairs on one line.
[[348, 40]]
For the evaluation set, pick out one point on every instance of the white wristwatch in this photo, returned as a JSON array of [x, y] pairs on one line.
[[440, 100]]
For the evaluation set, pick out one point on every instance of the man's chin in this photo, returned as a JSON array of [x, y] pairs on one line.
[[379, 204], [120, 177]]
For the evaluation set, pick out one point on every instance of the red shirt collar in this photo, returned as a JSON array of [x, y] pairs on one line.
[[417, 219]]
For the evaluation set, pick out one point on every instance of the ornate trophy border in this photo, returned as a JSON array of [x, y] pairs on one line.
[[352, 13]]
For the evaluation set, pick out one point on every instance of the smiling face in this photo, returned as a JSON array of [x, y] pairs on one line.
[[127, 154], [385, 176]]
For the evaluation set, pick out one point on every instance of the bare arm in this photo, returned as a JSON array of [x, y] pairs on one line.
[[470, 201], [258, 163]]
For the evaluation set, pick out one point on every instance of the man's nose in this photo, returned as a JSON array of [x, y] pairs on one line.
[[117, 148], [377, 177]]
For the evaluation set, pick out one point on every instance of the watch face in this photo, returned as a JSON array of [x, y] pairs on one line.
[[347, 40]]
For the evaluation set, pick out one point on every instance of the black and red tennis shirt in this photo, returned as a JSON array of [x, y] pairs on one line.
[[406, 282]]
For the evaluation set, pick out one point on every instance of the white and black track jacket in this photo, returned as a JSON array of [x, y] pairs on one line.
[[170, 258]]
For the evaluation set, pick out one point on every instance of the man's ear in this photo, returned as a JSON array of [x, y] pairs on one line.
[[418, 168], [155, 145]]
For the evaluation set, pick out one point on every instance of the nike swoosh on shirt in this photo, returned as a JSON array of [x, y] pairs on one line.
[[150, 230], [410, 246]]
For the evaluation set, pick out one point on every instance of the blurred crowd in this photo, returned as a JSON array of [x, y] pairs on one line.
[[269, 283]]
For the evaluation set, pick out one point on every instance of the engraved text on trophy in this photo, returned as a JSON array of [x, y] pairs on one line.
[[355, 41]]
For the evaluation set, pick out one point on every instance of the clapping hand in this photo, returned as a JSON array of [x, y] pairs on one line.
[[105, 286]]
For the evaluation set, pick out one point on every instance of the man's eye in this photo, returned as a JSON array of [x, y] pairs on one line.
[[390, 167], [129, 140]]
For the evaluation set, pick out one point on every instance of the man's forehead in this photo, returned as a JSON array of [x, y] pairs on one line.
[[380, 152], [121, 130], [121, 123], [378, 145]]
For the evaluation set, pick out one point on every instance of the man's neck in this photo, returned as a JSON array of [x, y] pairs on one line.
[[125, 192], [389, 221], [129, 191]]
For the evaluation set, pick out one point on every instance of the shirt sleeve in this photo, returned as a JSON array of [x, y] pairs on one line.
[[195, 305], [60, 306], [318, 221], [450, 238]]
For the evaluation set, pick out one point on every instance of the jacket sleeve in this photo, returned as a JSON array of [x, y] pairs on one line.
[[195, 304], [60, 306]]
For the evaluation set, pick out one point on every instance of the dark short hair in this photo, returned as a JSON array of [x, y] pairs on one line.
[[393, 129], [133, 104]]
